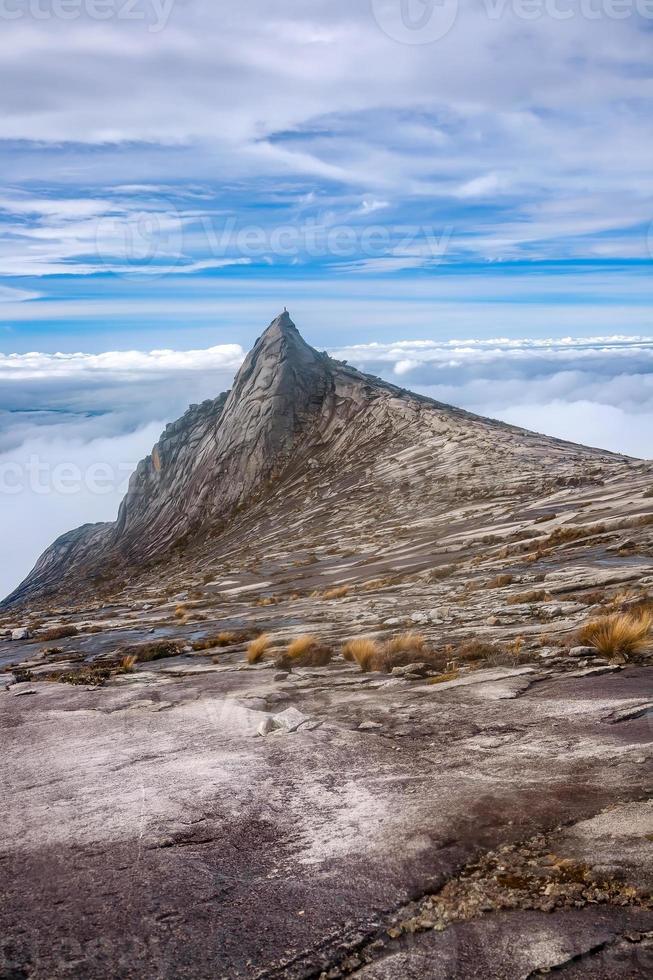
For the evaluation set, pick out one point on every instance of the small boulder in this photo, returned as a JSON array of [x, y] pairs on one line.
[[20, 634], [290, 719], [417, 670], [369, 726], [438, 615], [420, 619], [582, 652]]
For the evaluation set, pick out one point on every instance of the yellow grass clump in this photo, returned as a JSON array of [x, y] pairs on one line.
[[623, 635], [305, 651], [300, 645], [258, 648], [339, 592], [363, 650], [407, 643]]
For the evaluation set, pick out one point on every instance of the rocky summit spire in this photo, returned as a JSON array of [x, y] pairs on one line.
[[279, 350], [214, 457]]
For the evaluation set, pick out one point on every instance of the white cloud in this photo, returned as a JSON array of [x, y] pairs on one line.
[[596, 390], [480, 186], [125, 365]]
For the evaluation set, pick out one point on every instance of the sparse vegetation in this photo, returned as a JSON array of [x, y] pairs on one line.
[[305, 651], [219, 640], [86, 676], [500, 582], [413, 643], [127, 665], [439, 574], [149, 652], [524, 598], [181, 611], [58, 633], [516, 646], [451, 675], [400, 651], [363, 651], [623, 635], [472, 651], [258, 648], [339, 592]]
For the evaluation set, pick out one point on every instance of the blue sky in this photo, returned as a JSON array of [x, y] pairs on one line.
[[179, 175], [429, 187]]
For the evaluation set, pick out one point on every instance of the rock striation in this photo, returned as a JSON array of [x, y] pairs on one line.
[[295, 418]]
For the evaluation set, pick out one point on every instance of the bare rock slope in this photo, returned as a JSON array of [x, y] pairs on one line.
[[300, 425], [202, 780]]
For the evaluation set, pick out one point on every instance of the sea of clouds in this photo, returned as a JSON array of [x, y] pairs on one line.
[[73, 426]]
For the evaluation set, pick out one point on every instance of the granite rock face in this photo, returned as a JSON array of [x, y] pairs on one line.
[[295, 418]]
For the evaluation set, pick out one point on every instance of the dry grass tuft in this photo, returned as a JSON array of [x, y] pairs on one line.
[[500, 582], [305, 651], [472, 651], [452, 675], [339, 592], [157, 650], [363, 650], [622, 635], [258, 648], [300, 645], [220, 640], [407, 643], [127, 665], [181, 611], [58, 633], [537, 595]]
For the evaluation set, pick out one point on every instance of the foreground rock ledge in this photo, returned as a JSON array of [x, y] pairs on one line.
[[152, 835]]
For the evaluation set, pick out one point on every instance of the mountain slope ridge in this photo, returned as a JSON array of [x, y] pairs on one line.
[[293, 414]]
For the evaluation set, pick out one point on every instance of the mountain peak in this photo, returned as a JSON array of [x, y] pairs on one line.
[[294, 422], [281, 323], [283, 339]]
